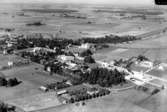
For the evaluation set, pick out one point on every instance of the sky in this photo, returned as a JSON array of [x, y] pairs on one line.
[[121, 2]]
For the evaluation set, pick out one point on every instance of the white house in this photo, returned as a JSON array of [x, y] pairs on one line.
[[71, 65], [91, 92], [49, 69], [65, 58], [103, 64], [43, 88], [36, 49], [9, 44], [160, 67], [10, 63], [69, 83], [4, 52], [85, 46], [61, 92], [146, 64]]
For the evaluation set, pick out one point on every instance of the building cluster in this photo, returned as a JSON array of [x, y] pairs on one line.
[[81, 94], [55, 86], [15, 63], [9, 43]]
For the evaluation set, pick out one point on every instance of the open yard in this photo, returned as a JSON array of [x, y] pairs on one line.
[[111, 103], [36, 102]]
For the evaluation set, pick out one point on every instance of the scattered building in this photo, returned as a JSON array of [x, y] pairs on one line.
[[61, 92], [92, 91], [43, 88], [85, 46], [10, 63], [64, 58], [146, 64]]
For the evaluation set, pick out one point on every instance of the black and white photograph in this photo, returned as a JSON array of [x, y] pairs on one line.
[[83, 56]]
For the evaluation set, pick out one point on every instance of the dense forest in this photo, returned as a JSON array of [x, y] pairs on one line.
[[37, 40], [108, 39], [103, 77]]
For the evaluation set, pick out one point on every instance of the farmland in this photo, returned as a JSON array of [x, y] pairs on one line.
[[45, 21]]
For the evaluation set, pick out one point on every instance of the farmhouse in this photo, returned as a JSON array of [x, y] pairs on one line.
[[146, 64], [61, 92], [64, 58]]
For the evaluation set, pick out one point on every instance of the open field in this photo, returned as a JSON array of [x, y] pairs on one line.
[[32, 77], [159, 73], [33, 73], [111, 103], [156, 103], [22, 90], [36, 102], [16, 17], [125, 52]]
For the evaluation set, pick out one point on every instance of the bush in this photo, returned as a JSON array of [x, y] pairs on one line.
[[12, 82], [155, 91], [86, 53], [3, 107], [3, 81], [89, 59]]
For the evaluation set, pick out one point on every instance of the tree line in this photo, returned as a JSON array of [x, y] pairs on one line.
[[37, 40], [108, 39], [104, 77]]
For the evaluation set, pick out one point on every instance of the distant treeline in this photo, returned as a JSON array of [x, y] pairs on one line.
[[38, 41], [38, 23], [50, 10], [132, 12], [108, 39]]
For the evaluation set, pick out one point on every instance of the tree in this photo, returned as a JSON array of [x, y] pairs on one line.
[[83, 103], [3, 81], [89, 59], [155, 91], [12, 82], [104, 77], [72, 100], [87, 52], [142, 58], [3, 107]]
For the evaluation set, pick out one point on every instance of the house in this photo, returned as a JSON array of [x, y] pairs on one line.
[[85, 46], [146, 64], [76, 50], [78, 57], [10, 63], [43, 88], [41, 49], [4, 52], [71, 65], [9, 44], [66, 96], [65, 58], [103, 64], [69, 83], [36, 49], [61, 92], [92, 91], [48, 69]]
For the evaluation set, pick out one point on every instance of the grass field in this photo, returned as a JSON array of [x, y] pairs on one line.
[[24, 89], [71, 28], [111, 103], [36, 102]]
